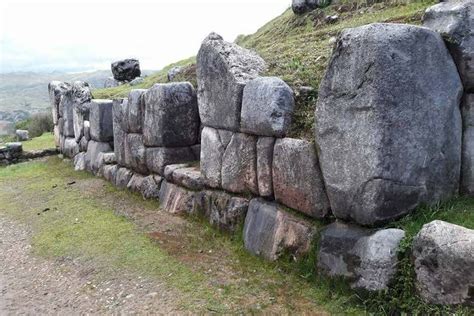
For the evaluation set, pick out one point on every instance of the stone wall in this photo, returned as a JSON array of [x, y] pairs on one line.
[[389, 136]]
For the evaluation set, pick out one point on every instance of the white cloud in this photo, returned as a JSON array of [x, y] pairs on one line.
[[72, 35]]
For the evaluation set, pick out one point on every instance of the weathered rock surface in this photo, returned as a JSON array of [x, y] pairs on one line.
[[455, 21], [366, 257], [467, 167], [173, 72], [239, 164], [176, 200], [135, 152], [169, 169], [444, 263], [80, 162], [126, 70], [93, 157], [223, 69], [136, 182], [110, 172], [189, 178], [267, 107], [224, 211], [297, 179], [122, 178], [78, 124], [83, 144], [71, 148], [134, 111], [212, 150], [66, 108], [388, 124], [111, 83], [264, 165], [56, 89], [270, 232], [109, 158], [101, 120], [119, 134], [171, 115], [151, 187], [157, 158], [87, 130], [22, 135]]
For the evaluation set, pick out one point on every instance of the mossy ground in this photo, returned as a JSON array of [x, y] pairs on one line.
[[45, 141]]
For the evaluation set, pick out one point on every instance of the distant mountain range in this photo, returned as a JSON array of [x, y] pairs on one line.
[[27, 92]]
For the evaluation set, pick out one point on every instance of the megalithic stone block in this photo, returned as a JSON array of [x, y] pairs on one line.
[[101, 120]]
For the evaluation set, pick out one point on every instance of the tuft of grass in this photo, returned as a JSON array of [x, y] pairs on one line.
[[45, 141]]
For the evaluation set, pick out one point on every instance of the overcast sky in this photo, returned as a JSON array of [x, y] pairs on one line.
[[90, 34]]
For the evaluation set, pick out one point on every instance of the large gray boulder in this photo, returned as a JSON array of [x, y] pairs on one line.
[[101, 120], [455, 21], [271, 232], [176, 200], [212, 150], [126, 70], [134, 111], [224, 211], [467, 167], [239, 164], [93, 156], [297, 179], [223, 69], [120, 137], [171, 115], [367, 258], [267, 107], [264, 165], [135, 153], [157, 158], [388, 124], [71, 148], [444, 263]]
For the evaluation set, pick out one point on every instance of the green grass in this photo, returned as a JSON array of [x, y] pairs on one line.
[[45, 141]]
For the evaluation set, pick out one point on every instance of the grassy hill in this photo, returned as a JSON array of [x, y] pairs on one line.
[[298, 48]]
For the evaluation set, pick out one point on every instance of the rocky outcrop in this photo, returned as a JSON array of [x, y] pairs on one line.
[[223, 70], [271, 232], [126, 70], [297, 180], [388, 124], [367, 258], [444, 263]]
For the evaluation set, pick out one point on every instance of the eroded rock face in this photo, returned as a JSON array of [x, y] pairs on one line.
[[66, 108], [264, 165], [171, 115], [135, 152], [110, 172], [212, 150], [188, 177], [455, 21], [134, 111], [87, 130], [239, 164], [122, 178], [444, 263], [101, 120], [297, 179], [176, 200], [93, 156], [157, 158], [151, 187], [224, 211], [267, 107], [71, 148], [366, 257], [270, 232], [126, 70], [223, 69], [136, 183], [388, 124], [302, 6]]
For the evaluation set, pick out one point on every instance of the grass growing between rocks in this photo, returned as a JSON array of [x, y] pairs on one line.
[[45, 141]]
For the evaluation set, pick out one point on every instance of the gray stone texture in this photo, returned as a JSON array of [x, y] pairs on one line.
[[109, 172], [101, 120], [467, 167], [83, 144], [264, 165], [56, 89], [120, 137], [176, 200], [297, 179], [171, 115], [136, 182], [151, 187], [212, 150], [267, 107], [126, 70], [367, 258], [71, 148], [388, 124], [189, 178], [22, 135], [87, 130], [93, 156], [135, 152], [134, 111], [454, 20], [122, 178], [224, 211], [157, 158], [111, 83], [66, 107], [80, 162], [223, 70], [444, 263], [271, 232]]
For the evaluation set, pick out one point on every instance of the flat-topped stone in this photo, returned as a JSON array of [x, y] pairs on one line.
[[101, 120]]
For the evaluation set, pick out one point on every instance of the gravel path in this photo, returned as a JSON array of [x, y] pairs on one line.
[[32, 285]]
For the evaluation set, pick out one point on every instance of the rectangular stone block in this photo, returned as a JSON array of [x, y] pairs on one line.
[[120, 137], [93, 157], [171, 116], [101, 120], [134, 111], [264, 165], [157, 158], [135, 153]]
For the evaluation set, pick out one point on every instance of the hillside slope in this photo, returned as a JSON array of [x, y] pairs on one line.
[[297, 49]]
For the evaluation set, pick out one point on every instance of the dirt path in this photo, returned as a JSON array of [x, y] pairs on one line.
[[31, 285]]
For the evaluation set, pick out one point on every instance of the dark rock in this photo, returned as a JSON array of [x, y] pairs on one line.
[[330, 19], [159, 157], [223, 69], [135, 153], [271, 232], [264, 165], [388, 124], [176, 200], [111, 83], [224, 211], [297, 179], [151, 187], [444, 263], [366, 257], [101, 120], [171, 115], [126, 70], [267, 107], [239, 164]]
